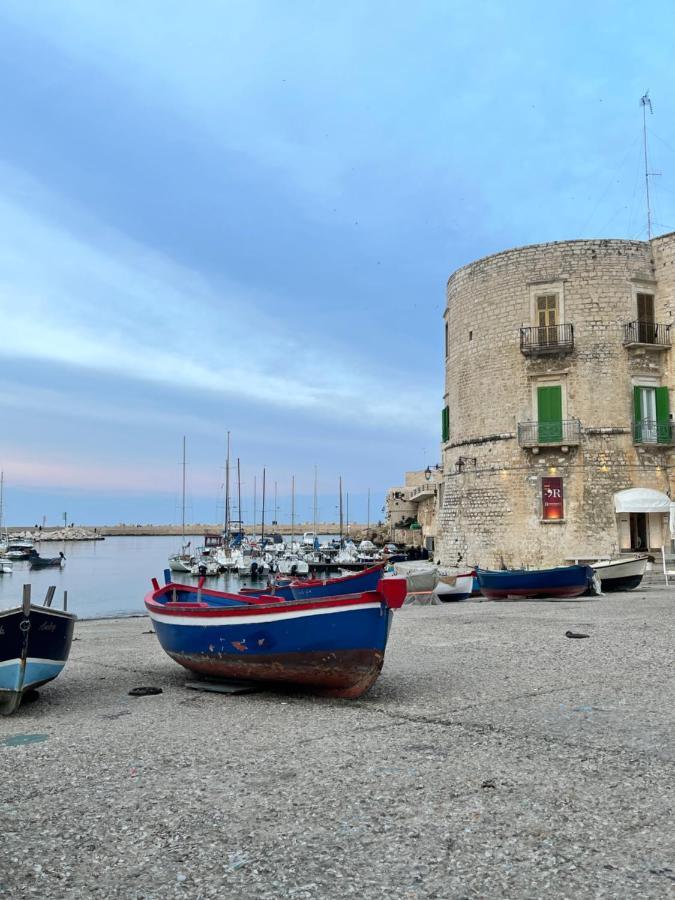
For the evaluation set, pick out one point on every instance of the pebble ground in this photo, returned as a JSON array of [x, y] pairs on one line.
[[493, 758]]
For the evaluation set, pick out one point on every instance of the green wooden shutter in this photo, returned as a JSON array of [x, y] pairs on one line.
[[637, 416], [549, 414], [445, 424], [662, 416]]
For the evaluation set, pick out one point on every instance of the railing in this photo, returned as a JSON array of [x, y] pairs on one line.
[[547, 339], [538, 434], [653, 333], [648, 431]]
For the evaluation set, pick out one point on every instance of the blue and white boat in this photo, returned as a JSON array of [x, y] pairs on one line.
[[309, 588], [330, 645], [522, 584], [34, 646]]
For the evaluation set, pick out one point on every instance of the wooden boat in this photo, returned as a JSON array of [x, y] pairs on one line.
[[34, 646], [620, 574], [453, 586], [331, 645], [46, 562], [519, 584], [313, 588]]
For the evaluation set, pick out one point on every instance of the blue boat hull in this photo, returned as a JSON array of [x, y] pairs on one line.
[[561, 582], [330, 587], [334, 646], [34, 648]]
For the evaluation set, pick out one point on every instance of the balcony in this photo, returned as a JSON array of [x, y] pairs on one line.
[[547, 339], [421, 492], [566, 433], [646, 334], [650, 433]]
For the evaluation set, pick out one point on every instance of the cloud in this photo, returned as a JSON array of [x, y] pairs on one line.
[[84, 296]]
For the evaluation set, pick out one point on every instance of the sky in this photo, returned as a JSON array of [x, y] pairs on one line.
[[241, 216]]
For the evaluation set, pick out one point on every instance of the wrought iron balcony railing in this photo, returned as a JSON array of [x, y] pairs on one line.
[[648, 431], [651, 333], [549, 434], [547, 339]]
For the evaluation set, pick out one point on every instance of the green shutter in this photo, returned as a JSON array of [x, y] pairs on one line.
[[662, 416], [445, 424], [637, 416], [549, 414]]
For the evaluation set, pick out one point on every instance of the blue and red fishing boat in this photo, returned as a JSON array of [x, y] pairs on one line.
[[331, 645], [311, 588], [521, 584]]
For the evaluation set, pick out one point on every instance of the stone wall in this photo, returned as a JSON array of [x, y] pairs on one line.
[[491, 511]]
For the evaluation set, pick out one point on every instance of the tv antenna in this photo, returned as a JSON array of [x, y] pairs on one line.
[[645, 102]]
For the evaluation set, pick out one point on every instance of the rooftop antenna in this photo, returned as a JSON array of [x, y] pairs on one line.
[[646, 102]]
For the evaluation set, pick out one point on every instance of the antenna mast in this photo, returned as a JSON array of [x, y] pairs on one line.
[[227, 488], [646, 102]]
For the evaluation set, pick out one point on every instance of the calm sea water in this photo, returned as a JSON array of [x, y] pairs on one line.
[[103, 578]]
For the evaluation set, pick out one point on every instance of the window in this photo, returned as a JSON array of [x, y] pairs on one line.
[[546, 311], [645, 314], [446, 340], [549, 414], [651, 410], [445, 424]]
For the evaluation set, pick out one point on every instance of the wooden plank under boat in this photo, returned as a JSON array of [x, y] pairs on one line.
[[521, 584], [332, 645]]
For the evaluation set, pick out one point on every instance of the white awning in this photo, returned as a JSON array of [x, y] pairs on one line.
[[642, 500]]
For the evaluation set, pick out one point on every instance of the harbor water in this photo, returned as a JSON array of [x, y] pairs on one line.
[[104, 578]]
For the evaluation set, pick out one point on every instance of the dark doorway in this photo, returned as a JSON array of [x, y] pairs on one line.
[[638, 531]]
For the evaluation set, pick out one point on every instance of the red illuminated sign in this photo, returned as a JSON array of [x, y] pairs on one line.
[[552, 506]]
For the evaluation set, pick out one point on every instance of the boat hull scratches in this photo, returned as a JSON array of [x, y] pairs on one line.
[[345, 674]]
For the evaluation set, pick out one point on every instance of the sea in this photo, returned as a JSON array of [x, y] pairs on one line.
[[105, 578]]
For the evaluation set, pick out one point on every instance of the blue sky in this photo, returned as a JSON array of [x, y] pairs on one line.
[[242, 216]]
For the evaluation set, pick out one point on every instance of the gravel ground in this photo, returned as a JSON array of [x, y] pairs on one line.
[[493, 758]]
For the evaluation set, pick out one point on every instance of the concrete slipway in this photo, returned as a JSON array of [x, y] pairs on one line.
[[494, 758]]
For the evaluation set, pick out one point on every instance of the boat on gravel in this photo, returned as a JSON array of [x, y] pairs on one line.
[[620, 574], [34, 646], [454, 585], [333, 646], [521, 584]]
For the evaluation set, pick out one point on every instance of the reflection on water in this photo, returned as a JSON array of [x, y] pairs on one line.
[[103, 578]]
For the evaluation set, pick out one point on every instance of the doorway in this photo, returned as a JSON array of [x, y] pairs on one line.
[[639, 531]]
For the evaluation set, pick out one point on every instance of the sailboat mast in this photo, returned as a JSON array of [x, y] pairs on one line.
[[255, 500], [2, 481], [368, 516], [239, 493], [292, 509], [262, 521], [341, 510], [347, 513], [276, 508], [227, 487], [315, 513], [183, 504]]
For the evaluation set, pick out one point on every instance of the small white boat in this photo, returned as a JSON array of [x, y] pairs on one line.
[[453, 585], [18, 549], [293, 565], [181, 562], [6, 566], [420, 574], [624, 574]]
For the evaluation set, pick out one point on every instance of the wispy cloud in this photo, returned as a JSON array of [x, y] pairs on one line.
[[103, 303]]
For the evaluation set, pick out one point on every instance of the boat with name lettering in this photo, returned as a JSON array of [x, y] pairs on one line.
[[333, 646], [34, 646], [523, 584]]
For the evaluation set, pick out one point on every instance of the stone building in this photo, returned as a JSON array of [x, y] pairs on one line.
[[557, 436], [412, 509]]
